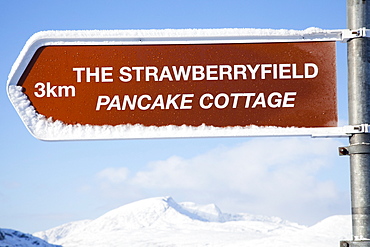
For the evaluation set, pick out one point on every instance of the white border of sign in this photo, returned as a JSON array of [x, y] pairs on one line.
[[46, 129]]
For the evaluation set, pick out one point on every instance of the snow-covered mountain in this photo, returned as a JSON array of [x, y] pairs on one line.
[[163, 222], [12, 238]]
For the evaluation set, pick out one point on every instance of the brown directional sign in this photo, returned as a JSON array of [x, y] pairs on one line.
[[221, 85]]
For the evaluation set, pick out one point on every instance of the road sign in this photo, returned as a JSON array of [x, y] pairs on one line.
[[162, 84]]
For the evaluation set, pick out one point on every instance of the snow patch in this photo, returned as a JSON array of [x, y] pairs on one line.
[[209, 212], [60, 232]]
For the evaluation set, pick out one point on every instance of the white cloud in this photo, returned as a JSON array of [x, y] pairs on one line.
[[114, 175], [273, 176]]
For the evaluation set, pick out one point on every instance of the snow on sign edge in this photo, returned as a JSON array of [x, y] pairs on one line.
[[48, 129]]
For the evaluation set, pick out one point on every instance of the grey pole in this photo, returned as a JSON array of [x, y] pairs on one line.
[[359, 113]]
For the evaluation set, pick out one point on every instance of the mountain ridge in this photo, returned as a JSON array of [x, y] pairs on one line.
[[13, 238], [161, 221]]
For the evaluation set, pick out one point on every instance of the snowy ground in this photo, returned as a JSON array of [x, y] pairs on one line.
[[163, 222]]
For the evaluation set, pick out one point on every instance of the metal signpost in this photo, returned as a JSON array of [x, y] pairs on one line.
[[358, 12]]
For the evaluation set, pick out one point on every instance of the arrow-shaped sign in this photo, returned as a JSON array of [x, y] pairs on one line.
[[75, 85]]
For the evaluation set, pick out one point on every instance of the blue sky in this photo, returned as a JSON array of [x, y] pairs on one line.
[[45, 184]]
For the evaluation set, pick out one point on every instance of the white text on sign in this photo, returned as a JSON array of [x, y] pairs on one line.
[[199, 73], [206, 101]]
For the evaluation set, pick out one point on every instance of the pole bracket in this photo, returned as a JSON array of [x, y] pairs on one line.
[[363, 243], [360, 148], [349, 34], [357, 129], [361, 129]]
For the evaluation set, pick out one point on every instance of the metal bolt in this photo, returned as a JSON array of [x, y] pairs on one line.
[[343, 151]]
